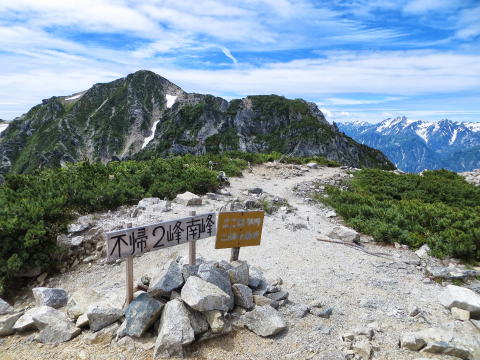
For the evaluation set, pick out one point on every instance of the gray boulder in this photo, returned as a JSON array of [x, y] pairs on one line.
[[175, 330], [52, 297], [5, 307], [243, 296], [83, 223], [25, 322], [450, 273], [447, 349], [103, 336], [216, 320], [198, 321], [239, 272], [344, 233], [7, 321], [170, 280], [101, 316], [462, 298], [423, 251], [141, 313], [411, 341], [188, 199], [264, 321], [255, 277], [146, 202], [204, 296], [278, 296], [55, 326], [217, 277]]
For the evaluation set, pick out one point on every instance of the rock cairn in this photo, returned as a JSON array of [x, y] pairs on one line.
[[182, 305]]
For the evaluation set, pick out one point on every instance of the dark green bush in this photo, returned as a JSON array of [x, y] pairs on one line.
[[439, 209]]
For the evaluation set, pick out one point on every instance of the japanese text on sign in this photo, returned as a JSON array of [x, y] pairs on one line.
[[138, 240], [239, 228]]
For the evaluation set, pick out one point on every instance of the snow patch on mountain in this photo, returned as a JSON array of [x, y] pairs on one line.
[[152, 135], [3, 127], [170, 100]]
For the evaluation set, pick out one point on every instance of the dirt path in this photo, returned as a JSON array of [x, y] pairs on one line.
[[362, 289]]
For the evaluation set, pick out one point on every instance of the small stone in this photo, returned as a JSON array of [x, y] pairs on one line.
[[5, 307], [217, 277], [239, 272], [103, 336], [255, 277], [216, 320], [243, 296], [188, 199], [300, 311], [413, 311], [82, 321], [411, 341], [460, 314], [344, 233], [423, 251], [25, 322], [264, 321], [198, 321], [362, 348], [52, 297], [255, 190], [278, 296], [260, 300], [100, 317], [323, 313], [324, 330]]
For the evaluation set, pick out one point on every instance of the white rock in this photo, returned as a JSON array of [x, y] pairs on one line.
[[146, 202], [423, 251], [462, 298], [55, 326], [344, 233], [216, 320], [188, 199], [7, 321], [312, 165], [82, 321], [460, 314], [204, 296], [103, 336], [25, 322]]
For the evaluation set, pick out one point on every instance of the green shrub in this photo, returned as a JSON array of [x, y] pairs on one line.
[[439, 209]]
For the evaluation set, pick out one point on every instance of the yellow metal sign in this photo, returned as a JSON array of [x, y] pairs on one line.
[[239, 228]]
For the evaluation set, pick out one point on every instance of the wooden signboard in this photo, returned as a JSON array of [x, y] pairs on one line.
[[139, 240], [239, 228]]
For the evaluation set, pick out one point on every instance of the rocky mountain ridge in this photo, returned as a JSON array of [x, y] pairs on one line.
[[144, 114], [415, 145]]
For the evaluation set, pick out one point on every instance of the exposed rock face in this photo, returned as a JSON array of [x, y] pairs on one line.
[[116, 120]]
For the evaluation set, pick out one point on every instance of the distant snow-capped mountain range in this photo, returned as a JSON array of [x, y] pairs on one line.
[[416, 145]]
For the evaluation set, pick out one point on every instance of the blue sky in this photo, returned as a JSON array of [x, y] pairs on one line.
[[357, 59]]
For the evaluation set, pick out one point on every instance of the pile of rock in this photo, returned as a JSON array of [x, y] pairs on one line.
[[464, 305], [186, 303]]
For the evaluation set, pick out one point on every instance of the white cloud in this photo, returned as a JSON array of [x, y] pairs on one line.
[[424, 6]]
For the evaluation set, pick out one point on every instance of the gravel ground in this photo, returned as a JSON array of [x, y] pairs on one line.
[[362, 289]]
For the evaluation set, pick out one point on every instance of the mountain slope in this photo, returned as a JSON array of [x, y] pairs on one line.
[[414, 145], [144, 114]]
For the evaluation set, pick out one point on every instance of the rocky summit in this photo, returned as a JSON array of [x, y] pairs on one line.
[[144, 114]]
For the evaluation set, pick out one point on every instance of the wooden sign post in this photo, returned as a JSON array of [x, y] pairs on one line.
[[131, 241], [237, 229], [192, 246]]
